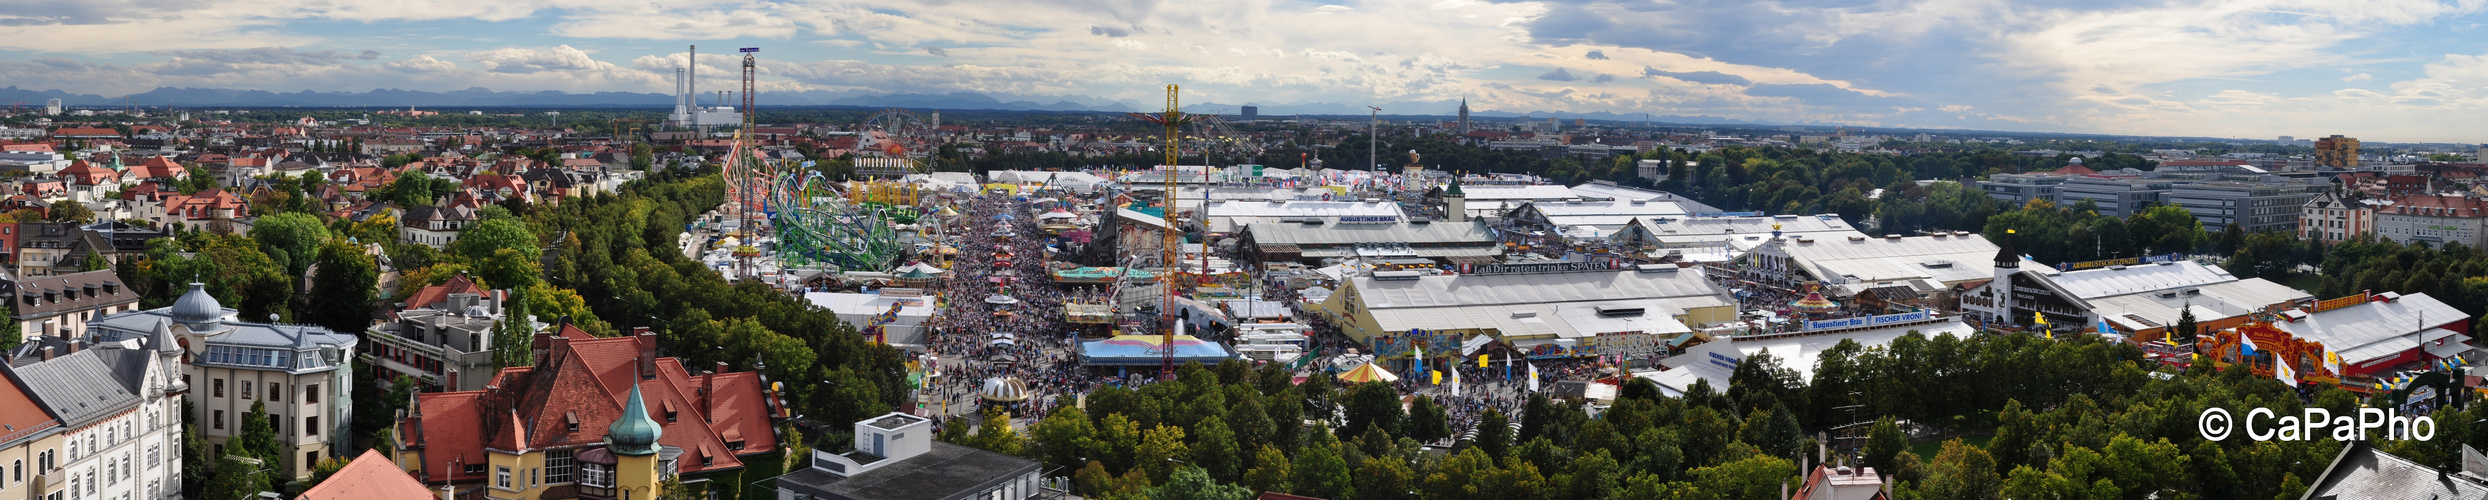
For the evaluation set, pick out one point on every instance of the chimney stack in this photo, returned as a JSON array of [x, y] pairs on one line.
[[647, 352], [47, 353]]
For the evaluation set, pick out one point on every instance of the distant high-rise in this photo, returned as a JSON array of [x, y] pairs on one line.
[[51, 107], [2336, 152], [2287, 140], [1252, 113], [1464, 117]]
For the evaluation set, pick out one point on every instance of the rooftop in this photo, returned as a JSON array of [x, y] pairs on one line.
[[947, 471]]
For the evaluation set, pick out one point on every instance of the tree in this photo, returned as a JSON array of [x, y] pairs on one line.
[[293, 238], [1270, 472], [1426, 421], [343, 291], [1372, 405], [513, 339], [1319, 471], [13, 333], [235, 475], [1384, 479], [995, 434], [1494, 433], [1161, 450], [1214, 450], [71, 211], [2186, 328], [1961, 471], [1758, 476], [93, 262], [1883, 442], [484, 238], [1192, 483]]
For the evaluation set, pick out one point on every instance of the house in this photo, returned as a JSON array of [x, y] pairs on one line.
[[443, 337], [61, 306], [157, 168], [435, 226], [1844, 483], [34, 437], [200, 210], [593, 415], [118, 405], [298, 373]]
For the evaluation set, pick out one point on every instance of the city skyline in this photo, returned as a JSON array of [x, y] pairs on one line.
[[2396, 71]]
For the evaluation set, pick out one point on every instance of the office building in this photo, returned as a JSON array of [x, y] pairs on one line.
[[1252, 113], [2115, 196], [2016, 190], [2257, 206]]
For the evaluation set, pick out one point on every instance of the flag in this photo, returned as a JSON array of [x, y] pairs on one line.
[[2332, 361], [1481, 361], [1438, 378], [1455, 383], [2038, 319], [2245, 345], [1533, 377], [2280, 370], [1419, 354]]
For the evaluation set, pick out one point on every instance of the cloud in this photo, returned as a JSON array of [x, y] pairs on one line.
[[1708, 77], [1602, 78], [535, 60], [1813, 93], [1558, 75], [2361, 77], [419, 64], [937, 51], [1109, 32], [1596, 55]]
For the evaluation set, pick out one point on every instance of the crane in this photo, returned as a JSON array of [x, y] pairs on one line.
[[1173, 120]]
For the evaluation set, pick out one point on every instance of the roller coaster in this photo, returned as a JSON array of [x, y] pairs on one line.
[[815, 224]]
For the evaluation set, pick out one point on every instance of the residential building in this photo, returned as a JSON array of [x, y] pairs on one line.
[[435, 226], [61, 306], [2256, 206], [896, 458], [2336, 152], [31, 443], [442, 337], [562, 427], [2116, 196], [118, 404], [1843, 483], [2332, 218], [2435, 220], [298, 373], [51, 248], [2016, 190], [204, 209]]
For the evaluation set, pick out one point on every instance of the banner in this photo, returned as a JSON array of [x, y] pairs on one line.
[[1867, 321]]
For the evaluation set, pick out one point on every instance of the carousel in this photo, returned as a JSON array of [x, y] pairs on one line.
[[1814, 303], [1006, 393]]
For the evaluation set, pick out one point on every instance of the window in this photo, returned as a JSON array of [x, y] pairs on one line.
[[275, 392], [311, 393], [155, 455], [126, 469], [558, 466], [310, 457], [219, 418], [246, 390], [44, 462], [220, 391], [474, 468], [17, 471], [112, 471], [311, 426], [501, 477], [73, 449], [73, 487], [90, 480]]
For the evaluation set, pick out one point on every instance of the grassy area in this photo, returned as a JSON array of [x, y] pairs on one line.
[[1926, 450]]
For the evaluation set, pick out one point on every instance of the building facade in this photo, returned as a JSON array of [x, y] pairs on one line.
[[2115, 196], [2435, 220], [299, 373], [2336, 152], [118, 408], [61, 306], [2257, 206], [443, 337], [2331, 218]]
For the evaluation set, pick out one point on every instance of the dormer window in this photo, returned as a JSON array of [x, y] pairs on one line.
[[572, 420]]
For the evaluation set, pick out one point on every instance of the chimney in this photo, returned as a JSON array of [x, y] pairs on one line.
[[449, 492], [708, 392], [647, 352], [47, 353]]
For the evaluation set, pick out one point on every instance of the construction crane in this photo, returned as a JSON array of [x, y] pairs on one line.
[[1174, 121], [617, 127]]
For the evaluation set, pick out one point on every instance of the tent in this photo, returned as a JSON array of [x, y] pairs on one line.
[[1004, 389], [1368, 373]]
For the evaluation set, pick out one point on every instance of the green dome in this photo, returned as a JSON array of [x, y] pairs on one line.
[[634, 434]]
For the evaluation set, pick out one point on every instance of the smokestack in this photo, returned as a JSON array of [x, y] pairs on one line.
[[691, 87]]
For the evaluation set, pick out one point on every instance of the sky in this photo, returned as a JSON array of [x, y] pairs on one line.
[[2381, 70]]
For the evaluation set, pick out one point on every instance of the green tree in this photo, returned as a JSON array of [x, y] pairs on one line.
[[1961, 472], [1192, 483], [513, 339], [1372, 405], [322, 470], [509, 268], [1384, 479], [1162, 449], [995, 434], [1426, 421], [236, 476], [1319, 470], [13, 333], [1214, 450], [93, 262], [258, 436], [1270, 471], [71, 211], [480, 241], [2186, 329], [1494, 433], [292, 238], [1064, 438], [343, 291], [1758, 476], [1884, 441]]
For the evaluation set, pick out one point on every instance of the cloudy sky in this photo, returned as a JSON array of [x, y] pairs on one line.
[[2385, 70]]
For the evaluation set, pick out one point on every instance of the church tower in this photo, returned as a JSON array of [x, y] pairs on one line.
[[1464, 119], [633, 442]]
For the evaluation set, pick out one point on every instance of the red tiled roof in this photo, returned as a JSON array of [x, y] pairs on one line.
[[19, 413], [586, 378], [369, 477], [2075, 170], [440, 293], [447, 425], [85, 132], [158, 167]]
